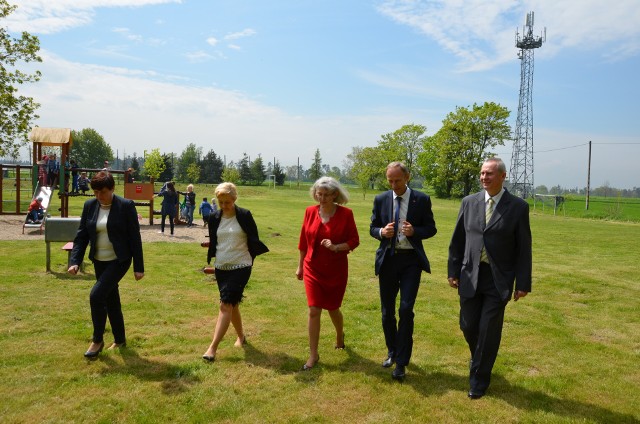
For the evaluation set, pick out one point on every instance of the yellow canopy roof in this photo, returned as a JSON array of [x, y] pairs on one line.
[[51, 136]]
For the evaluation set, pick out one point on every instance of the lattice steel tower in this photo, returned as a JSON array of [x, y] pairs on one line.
[[521, 173]]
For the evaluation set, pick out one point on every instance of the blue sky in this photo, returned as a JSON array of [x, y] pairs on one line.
[[284, 78]]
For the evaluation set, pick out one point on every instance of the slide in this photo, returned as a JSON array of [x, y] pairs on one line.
[[46, 193]]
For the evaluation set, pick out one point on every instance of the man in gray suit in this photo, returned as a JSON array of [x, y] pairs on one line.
[[489, 250]]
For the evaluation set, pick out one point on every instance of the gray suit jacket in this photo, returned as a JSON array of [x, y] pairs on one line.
[[507, 239]]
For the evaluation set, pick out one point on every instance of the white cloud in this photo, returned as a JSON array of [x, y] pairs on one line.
[[198, 56], [136, 110], [241, 34], [481, 33], [52, 16], [212, 41]]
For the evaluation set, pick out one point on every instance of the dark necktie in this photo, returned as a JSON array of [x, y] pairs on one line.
[[396, 222]]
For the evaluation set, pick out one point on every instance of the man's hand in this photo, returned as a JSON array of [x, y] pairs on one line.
[[138, 275], [73, 269], [518, 294], [453, 282]]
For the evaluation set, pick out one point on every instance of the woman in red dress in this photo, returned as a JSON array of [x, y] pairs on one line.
[[328, 234]]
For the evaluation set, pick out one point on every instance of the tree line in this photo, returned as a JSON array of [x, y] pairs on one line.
[[448, 162]]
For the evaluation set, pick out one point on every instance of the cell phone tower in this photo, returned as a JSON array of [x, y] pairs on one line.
[[521, 173]]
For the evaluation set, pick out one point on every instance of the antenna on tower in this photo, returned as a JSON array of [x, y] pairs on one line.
[[521, 173]]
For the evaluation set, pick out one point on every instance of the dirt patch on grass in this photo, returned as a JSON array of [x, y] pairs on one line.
[[11, 229]]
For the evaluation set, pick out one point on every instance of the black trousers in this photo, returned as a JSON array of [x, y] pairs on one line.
[[105, 299], [481, 320], [399, 273]]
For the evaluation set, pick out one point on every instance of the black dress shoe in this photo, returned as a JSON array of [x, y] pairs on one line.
[[398, 373], [475, 395], [387, 363], [89, 354]]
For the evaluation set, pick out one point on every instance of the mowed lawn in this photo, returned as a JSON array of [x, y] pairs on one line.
[[570, 350]]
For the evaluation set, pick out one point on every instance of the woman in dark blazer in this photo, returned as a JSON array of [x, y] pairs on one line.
[[109, 224], [234, 242]]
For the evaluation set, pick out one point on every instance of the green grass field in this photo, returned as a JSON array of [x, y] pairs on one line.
[[570, 350]]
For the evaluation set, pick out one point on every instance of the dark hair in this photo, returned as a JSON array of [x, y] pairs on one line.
[[170, 187], [204, 199], [102, 179]]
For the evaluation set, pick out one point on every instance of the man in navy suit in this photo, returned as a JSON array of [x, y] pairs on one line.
[[489, 250], [401, 219]]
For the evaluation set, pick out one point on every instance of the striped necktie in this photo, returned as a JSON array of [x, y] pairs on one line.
[[487, 218]]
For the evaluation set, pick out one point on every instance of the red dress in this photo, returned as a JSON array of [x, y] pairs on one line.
[[325, 272]]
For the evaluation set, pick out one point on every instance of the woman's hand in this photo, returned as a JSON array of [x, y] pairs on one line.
[[327, 243], [299, 273], [73, 269]]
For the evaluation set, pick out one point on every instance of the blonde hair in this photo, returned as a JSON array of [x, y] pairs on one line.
[[227, 188], [190, 186], [332, 186]]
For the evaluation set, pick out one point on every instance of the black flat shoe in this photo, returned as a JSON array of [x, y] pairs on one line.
[[209, 358], [399, 373], [475, 395], [306, 367], [94, 354]]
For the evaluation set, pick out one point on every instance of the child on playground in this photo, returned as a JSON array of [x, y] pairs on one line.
[[36, 211], [83, 182], [206, 209]]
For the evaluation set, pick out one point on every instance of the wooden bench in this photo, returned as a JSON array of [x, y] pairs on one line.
[[68, 248], [60, 230]]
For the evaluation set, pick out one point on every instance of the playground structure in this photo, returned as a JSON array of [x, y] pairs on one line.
[[141, 193]]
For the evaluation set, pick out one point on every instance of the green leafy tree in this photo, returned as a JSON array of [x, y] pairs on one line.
[[89, 149], [315, 171], [452, 158], [231, 174], [16, 111], [154, 164], [191, 154], [366, 167], [258, 174], [193, 173], [404, 144]]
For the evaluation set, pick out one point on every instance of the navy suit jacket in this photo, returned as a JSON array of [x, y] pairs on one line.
[[506, 238], [122, 227], [248, 225], [420, 216]]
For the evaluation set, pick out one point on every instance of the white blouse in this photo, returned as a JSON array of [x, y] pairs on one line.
[[232, 250], [104, 248]]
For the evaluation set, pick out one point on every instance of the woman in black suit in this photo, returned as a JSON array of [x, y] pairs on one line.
[[234, 242], [109, 224]]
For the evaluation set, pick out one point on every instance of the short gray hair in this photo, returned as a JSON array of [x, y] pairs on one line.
[[332, 186], [398, 164], [502, 168]]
